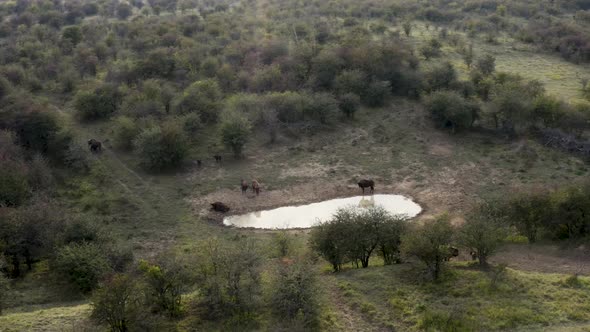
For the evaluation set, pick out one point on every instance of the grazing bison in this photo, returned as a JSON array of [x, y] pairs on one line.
[[217, 158], [199, 163], [94, 145], [256, 187], [473, 254], [244, 186], [219, 207], [367, 184]]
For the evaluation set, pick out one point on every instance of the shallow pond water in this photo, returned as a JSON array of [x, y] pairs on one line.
[[305, 216]]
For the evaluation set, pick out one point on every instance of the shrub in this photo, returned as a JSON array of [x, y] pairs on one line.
[[202, 97], [349, 104], [483, 232], [14, 184], [82, 264], [235, 129], [377, 93], [125, 131], [322, 107], [294, 299], [164, 286], [430, 243], [162, 147], [441, 77], [487, 64], [98, 104], [450, 110], [116, 303]]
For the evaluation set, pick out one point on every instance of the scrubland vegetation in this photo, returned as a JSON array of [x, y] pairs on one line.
[[478, 109]]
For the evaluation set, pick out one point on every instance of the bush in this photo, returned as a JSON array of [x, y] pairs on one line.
[[235, 131], [14, 184], [98, 104], [430, 243], [125, 131], [322, 107], [377, 93], [162, 147], [441, 77], [349, 103], [116, 303], [450, 110], [83, 264], [483, 232], [164, 286], [202, 97], [294, 300]]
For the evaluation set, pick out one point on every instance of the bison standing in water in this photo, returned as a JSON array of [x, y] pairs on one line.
[[367, 184]]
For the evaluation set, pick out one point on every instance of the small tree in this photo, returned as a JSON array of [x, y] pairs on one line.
[[430, 243], [528, 213], [329, 241], [83, 264], [164, 285], [235, 131], [124, 10], [468, 56], [487, 64], [450, 109], [203, 97], [483, 232], [294, 297], [99, 103], [116, 303], [390, 234], [407, 26], [349, 103], [125, 131], [4, 286], [162, 147]]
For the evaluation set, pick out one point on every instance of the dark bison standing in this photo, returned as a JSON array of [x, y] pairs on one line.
[[452, 252], [94, 145], [367, 184], [219, 207]]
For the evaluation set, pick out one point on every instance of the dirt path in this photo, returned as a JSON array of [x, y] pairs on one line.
[[349, 319]]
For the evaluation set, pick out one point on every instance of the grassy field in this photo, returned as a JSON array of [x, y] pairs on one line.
[[560, 77]]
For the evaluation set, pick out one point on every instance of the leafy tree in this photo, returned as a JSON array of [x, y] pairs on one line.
[[165, 284], [441, 77], [72, 34], [202, 97], [125, 131], [430, 243], [571, 214], [351, 81], [322, 107], [450, 109], [432, 49], [98, 104], [124, 10], [483, 232], [294, 300], [349, 104], [162, 147], [14, 184], [390, 233], [468, 56], [529, 212], [116, 303], [235, 131], [487, 64], [229, 277], [407, 26], [82, 264], [4, 287]]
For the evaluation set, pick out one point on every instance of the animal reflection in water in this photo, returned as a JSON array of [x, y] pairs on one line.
[[367, 202]]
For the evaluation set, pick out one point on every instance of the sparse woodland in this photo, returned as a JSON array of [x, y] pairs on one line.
[[111, 113]]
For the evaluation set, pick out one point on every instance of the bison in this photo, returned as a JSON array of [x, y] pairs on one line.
[[219, 207], [94, 145], [367, 184]]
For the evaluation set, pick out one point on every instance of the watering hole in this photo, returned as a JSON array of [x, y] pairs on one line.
[[305, 216]]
